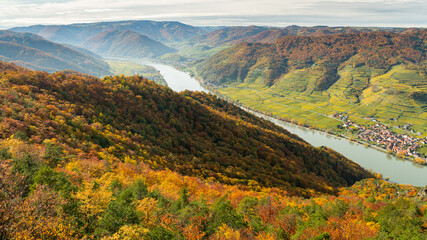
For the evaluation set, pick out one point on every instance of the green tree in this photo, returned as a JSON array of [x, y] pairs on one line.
[[139, 189], [224, 213], [118, 213], [53, 155], [400, 220]]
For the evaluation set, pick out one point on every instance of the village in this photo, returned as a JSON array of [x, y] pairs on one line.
[[381, 136]]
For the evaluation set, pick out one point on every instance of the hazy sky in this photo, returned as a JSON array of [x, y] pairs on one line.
[[218, 12]]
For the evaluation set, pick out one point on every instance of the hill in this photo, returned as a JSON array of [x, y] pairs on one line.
[[83, 50], [76, 34], [229, 35], [37, 53], [214, 41], [83, 157], [192, 133], [330, 52], [311, 78], [118, 43]]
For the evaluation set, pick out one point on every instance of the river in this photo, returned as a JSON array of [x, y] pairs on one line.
[[397, 169], [176, 80]]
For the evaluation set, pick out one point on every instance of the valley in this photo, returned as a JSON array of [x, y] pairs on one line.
[[395, 168], [302, 87], [333, 113], [359, 95], [136, 155], [140, 129]]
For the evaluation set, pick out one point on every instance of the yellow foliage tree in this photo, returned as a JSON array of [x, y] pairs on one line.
[[129, 232], [41, 217], [265, 236], [146, 210], [226, 233], [94, 199]]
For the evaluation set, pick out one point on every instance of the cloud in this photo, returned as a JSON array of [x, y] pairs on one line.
[[219, 12]]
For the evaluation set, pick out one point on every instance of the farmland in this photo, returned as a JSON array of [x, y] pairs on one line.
[[367, 96]]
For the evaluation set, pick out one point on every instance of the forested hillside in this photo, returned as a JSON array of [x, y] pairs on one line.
[[124, 158], [310, 78], [191, 133], [239, 34], [35, 52], [212, 42], [329, 52]]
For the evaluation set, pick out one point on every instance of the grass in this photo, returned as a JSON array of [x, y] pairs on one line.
[[360, 92], [297, 110]]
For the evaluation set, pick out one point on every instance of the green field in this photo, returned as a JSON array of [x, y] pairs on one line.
[[360, 92], [130, 68]]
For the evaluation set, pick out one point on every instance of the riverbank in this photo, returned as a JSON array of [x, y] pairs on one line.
[[289, 121], [213, 89], [399, 170]]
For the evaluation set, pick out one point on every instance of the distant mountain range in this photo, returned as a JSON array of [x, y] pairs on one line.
[[119, 39], [125, 43], [76, 34], [37, 53], [150, 39], [146, 38]]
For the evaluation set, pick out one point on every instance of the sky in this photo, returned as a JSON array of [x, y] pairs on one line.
[[378, 13]]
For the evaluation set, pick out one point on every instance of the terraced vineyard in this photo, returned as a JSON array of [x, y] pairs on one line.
[[360, 92], [366, 95], [348, 84]]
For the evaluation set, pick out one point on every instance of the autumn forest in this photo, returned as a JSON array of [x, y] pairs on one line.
[[125, 158], [202, 126]]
